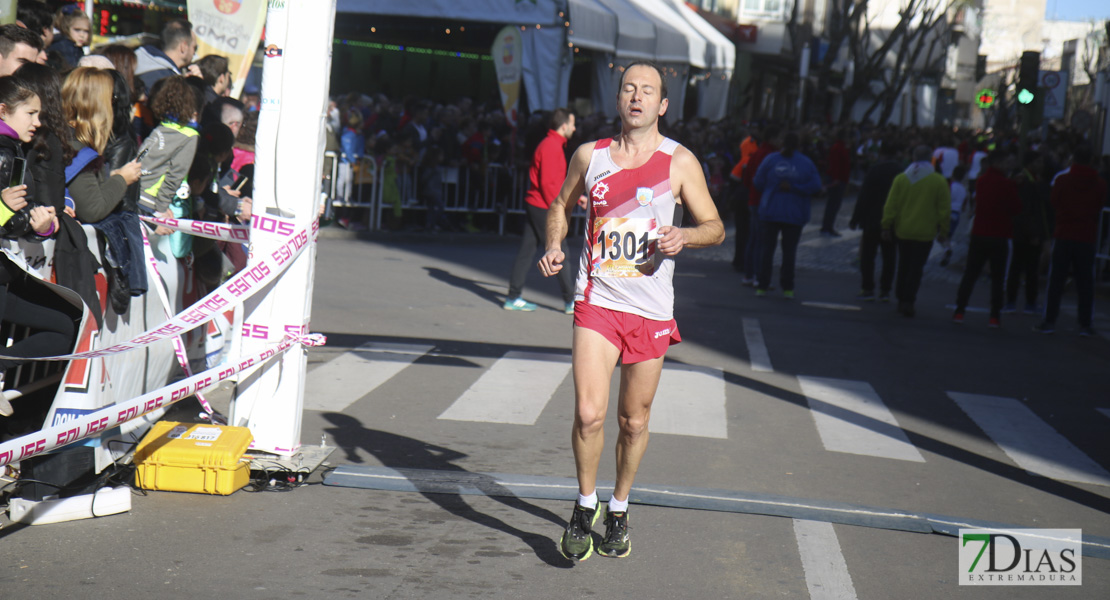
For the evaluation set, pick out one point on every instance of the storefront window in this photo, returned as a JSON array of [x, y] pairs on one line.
[[763, 7]]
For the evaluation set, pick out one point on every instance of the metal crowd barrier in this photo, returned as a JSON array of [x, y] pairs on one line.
[[498, 190]]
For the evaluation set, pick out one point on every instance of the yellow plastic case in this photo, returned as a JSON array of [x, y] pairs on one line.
[[193, 457]]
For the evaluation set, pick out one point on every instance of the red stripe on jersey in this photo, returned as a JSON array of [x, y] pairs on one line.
[[621, 196], [602, 144]]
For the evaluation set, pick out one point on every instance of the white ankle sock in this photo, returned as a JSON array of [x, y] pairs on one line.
[[618, 505], [588, 501]]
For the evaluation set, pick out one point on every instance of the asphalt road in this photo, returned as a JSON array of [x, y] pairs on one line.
[[444, 294]]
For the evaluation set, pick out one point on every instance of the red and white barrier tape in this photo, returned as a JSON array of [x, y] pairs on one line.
[[155, 281], [205, 229], [113, 416]]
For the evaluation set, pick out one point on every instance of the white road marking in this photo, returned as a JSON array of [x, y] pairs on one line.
[[341, 381], [514, 390], [690, 401], [1030, 442], [826, 572], [851, 418], [757, 351]]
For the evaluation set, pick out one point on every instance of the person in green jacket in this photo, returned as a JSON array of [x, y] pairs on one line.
[[916, 212]]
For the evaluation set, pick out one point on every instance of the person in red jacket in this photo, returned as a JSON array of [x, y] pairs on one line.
[[1077, 197], [545, 179], [996, 204], [839, 170]]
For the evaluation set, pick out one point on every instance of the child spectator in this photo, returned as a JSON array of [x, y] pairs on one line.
[[74, 27], [170, 147]]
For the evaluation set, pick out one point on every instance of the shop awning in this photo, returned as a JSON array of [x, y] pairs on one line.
[[592, 26], [720, 51], [635, 32], [537, 12], [676, 41]]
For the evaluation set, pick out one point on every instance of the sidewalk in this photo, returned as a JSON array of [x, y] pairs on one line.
[[834, 255]]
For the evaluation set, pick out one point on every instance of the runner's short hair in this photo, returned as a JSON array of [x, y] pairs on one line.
[[645, 63]]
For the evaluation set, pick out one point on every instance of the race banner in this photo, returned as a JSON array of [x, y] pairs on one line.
[[230, 28], [508, 61]]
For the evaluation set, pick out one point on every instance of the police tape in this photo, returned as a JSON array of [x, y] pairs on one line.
[[110, 417], [178, 345], [244, 284], [206, 229]]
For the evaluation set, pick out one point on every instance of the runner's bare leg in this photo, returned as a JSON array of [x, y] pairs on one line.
[[594, 359], [638, 384]]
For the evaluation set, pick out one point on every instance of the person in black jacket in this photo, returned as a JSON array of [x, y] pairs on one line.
[[20, 216], [1031, 231], [868, 215], [74, 265]]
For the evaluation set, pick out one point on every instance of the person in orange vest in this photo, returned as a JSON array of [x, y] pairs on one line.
[[740, 212]]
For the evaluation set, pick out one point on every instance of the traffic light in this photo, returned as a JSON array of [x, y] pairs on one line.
[[986, 98], [1027, 77]]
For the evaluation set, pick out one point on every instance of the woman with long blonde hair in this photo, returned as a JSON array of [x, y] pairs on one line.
[[87, 104]]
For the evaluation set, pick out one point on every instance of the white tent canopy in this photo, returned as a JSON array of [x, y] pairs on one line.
[[720, 51], [593, 26], [635, 32], [692, 45]]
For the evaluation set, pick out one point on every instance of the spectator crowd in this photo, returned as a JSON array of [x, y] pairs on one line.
[[102, 138]]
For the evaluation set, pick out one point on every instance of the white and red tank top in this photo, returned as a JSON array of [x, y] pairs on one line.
[[621, 268]]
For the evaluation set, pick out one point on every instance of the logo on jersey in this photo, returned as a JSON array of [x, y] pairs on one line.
[[600, 203], [644, 196], [659, 334], [599, 191], [601, 176]]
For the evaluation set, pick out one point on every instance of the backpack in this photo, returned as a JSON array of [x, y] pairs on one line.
[[85, 156]]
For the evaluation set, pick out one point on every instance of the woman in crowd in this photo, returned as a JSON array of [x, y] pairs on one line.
[[21, 217], [49, 152], [87, 103]]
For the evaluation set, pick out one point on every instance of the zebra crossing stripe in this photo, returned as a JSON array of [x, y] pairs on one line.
[[514, 390], [758, 357], [1030, 442], [851, 418], [827, 576], [341, 381], [690, 401]]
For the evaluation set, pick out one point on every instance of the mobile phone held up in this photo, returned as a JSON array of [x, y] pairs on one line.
[[19, 171]]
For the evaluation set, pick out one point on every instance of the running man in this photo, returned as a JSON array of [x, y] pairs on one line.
[[638, 184]]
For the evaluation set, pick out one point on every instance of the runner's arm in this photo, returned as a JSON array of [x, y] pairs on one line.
[[558, 216], [688, 181]]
